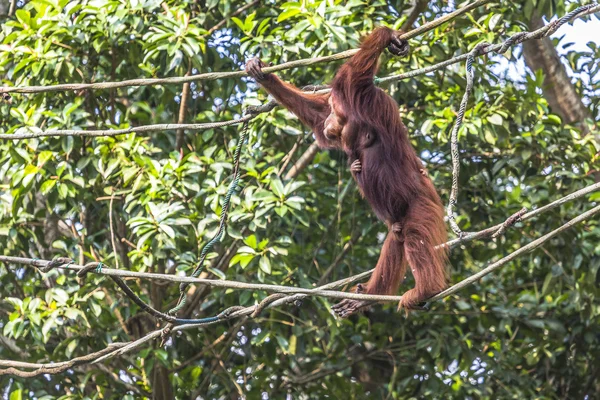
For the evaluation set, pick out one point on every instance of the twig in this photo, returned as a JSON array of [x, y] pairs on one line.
[[234, 14], [303, 161], [289, 155], [13, 7], [220, 75], [353, 239], [418, 7], [112, 231], [180, 135]]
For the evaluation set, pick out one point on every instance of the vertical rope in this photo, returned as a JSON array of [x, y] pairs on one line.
[[454, 137], [514, 39], [222, 222]]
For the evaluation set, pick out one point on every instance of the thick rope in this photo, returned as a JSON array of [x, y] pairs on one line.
[[220, 75], [483, 48], [66, 263], [233, 187], [240, 312], [499, 48], [454, 137]]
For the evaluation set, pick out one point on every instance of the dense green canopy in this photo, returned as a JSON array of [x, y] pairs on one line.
[[149, 202]]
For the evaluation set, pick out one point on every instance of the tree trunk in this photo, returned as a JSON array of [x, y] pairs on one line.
[[558, 89]]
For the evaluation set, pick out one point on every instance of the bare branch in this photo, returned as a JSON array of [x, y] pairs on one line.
[[185, 94]]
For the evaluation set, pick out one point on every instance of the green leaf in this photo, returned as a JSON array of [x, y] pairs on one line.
[[288, 14], [67, 144], [251, 241], [238, 22], [489, 136], [60, 296], [553, 119], [217, 272], [71, 347], [16, 394], [283, 343], [24, 17], [293, 344], [247, 250], [63, 191], [242, 259], [176, 61], [48, 325], [95, 307], [265, 264], [47, 186], [277, 188], [495, 119], [196, 372], [494, 21]]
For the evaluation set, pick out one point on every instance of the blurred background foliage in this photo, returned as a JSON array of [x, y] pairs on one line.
[[529, 331]]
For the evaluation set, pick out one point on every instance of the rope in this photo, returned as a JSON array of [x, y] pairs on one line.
[[483, 48], [220, 75], [97, 267], [451, 290], [272, 301], [499, 48], [454, 136], [485, 233], [323, 291], [222, 223], [479, 49]]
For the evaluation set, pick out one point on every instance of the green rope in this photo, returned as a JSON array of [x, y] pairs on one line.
[[233, 187]]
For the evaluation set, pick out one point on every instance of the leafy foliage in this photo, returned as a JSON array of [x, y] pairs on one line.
[[529, 331]]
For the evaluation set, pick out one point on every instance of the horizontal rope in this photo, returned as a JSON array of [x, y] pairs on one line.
[[322, 292], [136, 129], [523, 250], [247, 311], [467, 237], [549, 29], [211, 76]]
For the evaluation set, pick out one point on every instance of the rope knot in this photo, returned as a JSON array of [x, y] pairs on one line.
[[228, 312], [94, 265], [56, 262]]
